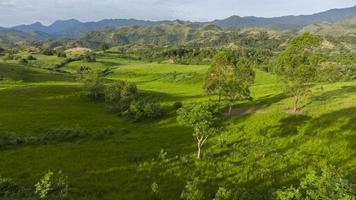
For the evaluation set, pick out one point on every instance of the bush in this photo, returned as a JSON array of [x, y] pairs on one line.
[[47, 52], [94, 86], [146, 108], [9, 139], [23, 61], [8, 188], [118, 96], [327, 184], [177, 105], [52, 185], [89, 57], [64, 135], [31, 57]]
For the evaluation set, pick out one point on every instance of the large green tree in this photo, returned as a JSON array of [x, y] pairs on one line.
[[298, 64], [230, 79], [237, 81], [216, 74]]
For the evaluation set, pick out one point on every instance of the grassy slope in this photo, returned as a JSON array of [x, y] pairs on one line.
[[277, 143]]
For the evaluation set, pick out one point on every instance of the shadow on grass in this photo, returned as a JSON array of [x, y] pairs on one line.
[[252, 107], [339, 93], [288, 126], [344, 120], [168, 97]]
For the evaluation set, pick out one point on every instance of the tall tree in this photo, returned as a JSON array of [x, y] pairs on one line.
[[237, 81], [215, 76], [201, 117], [298, 66]]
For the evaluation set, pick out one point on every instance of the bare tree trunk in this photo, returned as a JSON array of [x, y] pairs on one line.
[[230, 109], [296, 101], [200, 142], [199, 152]]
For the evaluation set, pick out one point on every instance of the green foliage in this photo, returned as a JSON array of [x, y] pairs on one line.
[[89, 57], [145, 108], [237, 81], [202, 118], [52, 185], [94, 87], [119, 95], [23, 61], [177, 105], [222, 194], [9, 139], [298, 65], [328, 185], [8, 188], [192, 190], [229, 78]]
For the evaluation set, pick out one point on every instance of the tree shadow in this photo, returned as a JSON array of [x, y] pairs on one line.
[[288, 126], [168, 97], [339, 93], [344, 120], [255, 106], [109, 64]]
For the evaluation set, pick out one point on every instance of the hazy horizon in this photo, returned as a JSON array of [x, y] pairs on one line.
[[155, 10]]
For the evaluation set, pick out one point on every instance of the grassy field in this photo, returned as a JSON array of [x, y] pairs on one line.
[[262, 147]]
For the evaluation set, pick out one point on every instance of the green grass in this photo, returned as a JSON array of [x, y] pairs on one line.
[[261, 147]]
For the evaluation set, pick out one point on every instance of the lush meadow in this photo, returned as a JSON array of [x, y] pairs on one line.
[[263, 147]]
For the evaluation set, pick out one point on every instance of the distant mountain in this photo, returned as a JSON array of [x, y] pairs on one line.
[[181, 34], [287, 22], [73, 28], [11, 38], [341, 28]]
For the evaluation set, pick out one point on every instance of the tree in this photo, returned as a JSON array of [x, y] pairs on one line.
[[298, 65], [104, 47], [94, 85], [216, 74], [237, 80], [201, 117], [328, 185], [118, 96]]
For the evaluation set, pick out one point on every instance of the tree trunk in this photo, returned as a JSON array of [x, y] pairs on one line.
[[230, 109], [199, 152], [296, 101]]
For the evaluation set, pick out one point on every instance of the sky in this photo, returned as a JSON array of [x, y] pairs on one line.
[[14, 12]]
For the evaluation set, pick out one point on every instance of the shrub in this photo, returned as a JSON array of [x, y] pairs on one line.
[[8, 188], [118, 96], [89, 57], [31, 57], [23, 61], [52, 185], [94, 86], [9, 139], [177, 105], [47, 52], [145, 108], [328, 184], [64, 135]]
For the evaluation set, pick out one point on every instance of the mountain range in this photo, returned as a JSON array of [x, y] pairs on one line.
[[73, 28]]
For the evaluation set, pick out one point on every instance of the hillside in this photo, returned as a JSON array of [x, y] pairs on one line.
[[47, 123], [340, 28], [182, 34], [287, 22]]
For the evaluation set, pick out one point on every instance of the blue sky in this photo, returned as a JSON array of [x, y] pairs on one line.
[[13, 12]]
